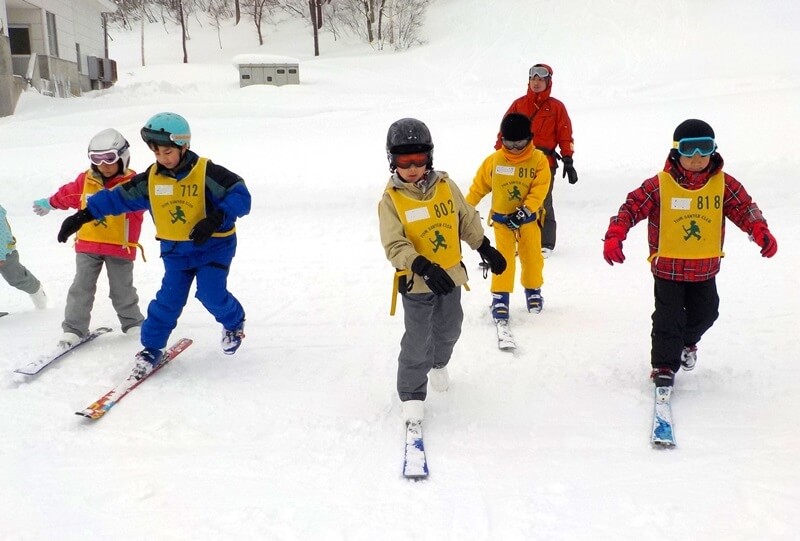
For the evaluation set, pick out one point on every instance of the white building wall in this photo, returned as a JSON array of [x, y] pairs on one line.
[[34, 20], [3, 18], [77, 21]]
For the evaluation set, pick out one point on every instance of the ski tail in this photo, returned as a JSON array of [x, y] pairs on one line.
[[663, 433], [100, 407], [415, 462], [34, 367]]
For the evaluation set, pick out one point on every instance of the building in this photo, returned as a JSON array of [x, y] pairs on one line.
[[55, 46]]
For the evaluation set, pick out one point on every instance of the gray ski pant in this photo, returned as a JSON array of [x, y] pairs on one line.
[[122, 293], [17, 275], [433, 325]]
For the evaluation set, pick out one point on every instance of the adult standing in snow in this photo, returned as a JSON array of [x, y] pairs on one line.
[[194, 203], [15, 272], [685, 238], [551, 128], [423, 219], [110, 242]]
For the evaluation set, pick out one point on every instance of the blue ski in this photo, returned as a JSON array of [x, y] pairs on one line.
[[663, 435], [415, 464]]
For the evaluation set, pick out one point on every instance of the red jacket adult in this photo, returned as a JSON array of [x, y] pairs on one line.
[[69, 196], [550, 123], [645, 203]]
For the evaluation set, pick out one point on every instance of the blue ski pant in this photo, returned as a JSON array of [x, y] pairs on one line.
[[209, 264]]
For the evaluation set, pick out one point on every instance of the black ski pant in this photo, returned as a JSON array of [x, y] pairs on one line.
[[684, 311]]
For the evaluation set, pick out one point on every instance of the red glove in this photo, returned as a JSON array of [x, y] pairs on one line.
[[612, 244], [761, 236]]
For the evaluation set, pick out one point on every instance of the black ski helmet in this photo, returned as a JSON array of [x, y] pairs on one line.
[[408, 136], [692, 127], [516, 127]]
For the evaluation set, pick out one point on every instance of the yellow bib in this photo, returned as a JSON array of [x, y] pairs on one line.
[[691, 221], [432, 225], [108, 229], [177, 205], [510, 185]]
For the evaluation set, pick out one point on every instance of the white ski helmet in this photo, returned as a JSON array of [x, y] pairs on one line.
[[111, 141]]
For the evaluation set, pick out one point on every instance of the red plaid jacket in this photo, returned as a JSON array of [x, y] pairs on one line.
[[645, 202]]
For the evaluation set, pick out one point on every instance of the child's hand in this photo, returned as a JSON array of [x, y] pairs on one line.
[[42, 206], [522, 215], [760, 235], [612, 244], [491, 256], [436, 278], [206, 227], [73, 223]]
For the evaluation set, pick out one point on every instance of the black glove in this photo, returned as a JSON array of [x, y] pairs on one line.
[[520, 216], [569, 170], [436, 278], [493, 258], [73, 223], [206, 227]]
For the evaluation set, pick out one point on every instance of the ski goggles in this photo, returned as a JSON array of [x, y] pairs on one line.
[[162, 138], [99, 157], [538, 71], [705, 146], [515, 145], [404, 161]]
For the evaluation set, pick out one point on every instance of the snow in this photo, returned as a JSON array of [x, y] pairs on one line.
[[298, 436]]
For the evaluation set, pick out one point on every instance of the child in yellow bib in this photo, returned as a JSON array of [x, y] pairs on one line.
[[685, 206], [194, 203], [423, 219], [518, 177], [109, 242]]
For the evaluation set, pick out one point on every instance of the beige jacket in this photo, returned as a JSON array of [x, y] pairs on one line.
[[399, 249]]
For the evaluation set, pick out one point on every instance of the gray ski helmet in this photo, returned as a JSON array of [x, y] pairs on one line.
[[111, 139], [408, 136]]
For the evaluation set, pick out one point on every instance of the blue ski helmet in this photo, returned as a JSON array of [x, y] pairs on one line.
[[167, 129]]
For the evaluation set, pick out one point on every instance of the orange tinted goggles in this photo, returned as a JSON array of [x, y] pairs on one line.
[[404, 161]]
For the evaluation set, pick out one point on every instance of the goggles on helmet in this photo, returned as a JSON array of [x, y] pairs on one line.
[[109, 157], [538, 71], [163, 138], [515, 145], [705, 146], [404, 161]]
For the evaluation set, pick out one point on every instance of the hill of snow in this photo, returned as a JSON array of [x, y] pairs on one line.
[[298, 436]]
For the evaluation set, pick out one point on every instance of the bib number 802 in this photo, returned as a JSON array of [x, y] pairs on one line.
[[444, 209]]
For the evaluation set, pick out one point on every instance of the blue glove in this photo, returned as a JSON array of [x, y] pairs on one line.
[[42, 206], [522, 215]]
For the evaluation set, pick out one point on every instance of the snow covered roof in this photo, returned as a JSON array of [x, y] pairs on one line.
[[242, 59]]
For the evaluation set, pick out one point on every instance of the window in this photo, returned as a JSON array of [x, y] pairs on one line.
[[52, 36], [20, 39]]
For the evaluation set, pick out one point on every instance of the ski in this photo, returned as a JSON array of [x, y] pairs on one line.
[[34, 367], [415, 464], [505, 340], [118, 392], [3, 314], [663, 435]]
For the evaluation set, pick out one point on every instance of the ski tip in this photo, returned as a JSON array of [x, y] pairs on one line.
[[90, 414], [663, 444]]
